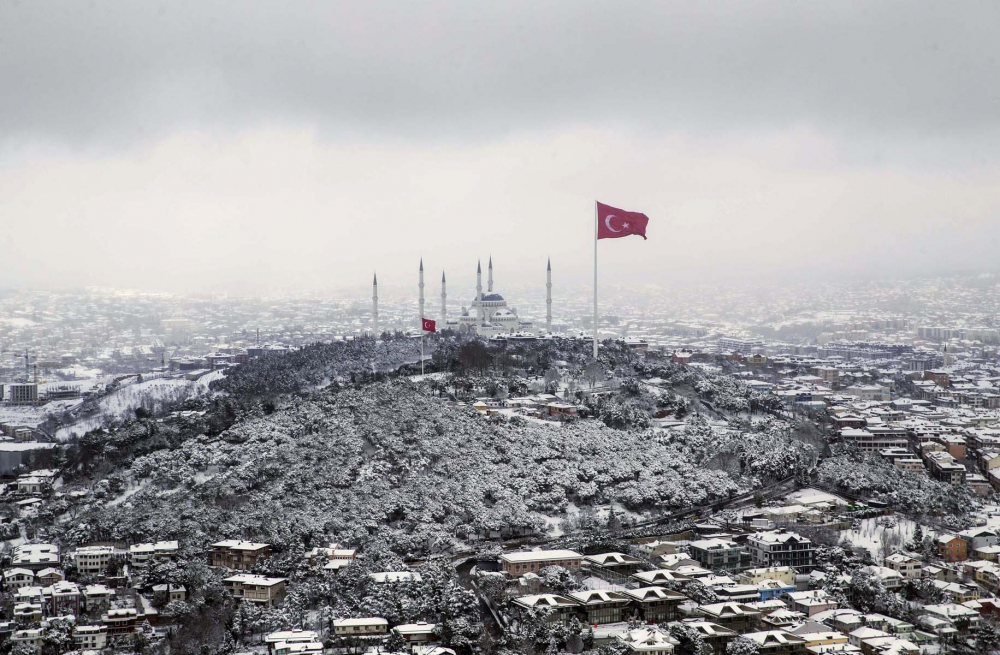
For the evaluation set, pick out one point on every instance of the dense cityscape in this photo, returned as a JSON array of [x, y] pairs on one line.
[[814, 471]]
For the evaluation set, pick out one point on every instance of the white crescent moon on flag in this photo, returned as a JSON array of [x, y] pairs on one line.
[[607, 222]]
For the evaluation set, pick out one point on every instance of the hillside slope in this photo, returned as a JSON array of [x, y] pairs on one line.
[[392, 462]]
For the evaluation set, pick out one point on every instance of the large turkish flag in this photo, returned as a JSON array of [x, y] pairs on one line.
[[613, 223]]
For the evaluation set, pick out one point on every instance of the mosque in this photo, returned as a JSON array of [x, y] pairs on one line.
[[487, 315]]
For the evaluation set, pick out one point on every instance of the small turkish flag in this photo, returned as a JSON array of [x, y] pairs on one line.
[[613, 223], [428, 325]]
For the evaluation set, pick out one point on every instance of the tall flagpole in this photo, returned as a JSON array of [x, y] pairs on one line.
[[595, 280], [421, 345]]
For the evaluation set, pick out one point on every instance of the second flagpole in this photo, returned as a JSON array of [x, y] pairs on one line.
[[595, 280]]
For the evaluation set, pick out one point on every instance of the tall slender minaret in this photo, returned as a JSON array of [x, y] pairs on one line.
[[479, 292], [444, 303], [548, 297], [489, 282], [420, 319], [374, 306]]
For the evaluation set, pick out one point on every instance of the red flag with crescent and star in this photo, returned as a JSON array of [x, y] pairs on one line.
[[428, 325], [613, 223]]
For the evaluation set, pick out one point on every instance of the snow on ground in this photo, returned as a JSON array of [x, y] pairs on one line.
[[601, 584], [121, 498], [121, 404], [810, 496], [428, 376], [870, 531]]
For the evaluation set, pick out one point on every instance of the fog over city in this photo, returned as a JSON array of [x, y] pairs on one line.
[[261, 147]]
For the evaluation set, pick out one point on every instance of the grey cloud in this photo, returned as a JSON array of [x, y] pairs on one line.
[[105, 72]]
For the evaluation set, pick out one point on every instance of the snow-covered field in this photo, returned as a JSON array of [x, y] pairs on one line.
[[870, 533], [151, 394]]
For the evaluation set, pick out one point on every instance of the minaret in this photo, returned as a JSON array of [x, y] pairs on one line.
[[548, 297], [489, 282], [444, 303], [374, 306], [420, 319], [479, 292]]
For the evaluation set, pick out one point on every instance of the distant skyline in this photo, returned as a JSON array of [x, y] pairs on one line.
[[213, 146]]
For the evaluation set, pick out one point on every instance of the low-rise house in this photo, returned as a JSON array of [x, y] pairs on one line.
[[660, 577], [648, 640], [35, 556], [142, 555], [296, 636], [258, 589], [16, 578], [333, 557], [715, 636], [785, 574], [907, 566], [237, 554], [716, 553], [170, 592], [30, 636], [558, 609], [957, 592], [735, 616], [738, 593], [952, 548], [25, 613], [979, 537], [656, 548], [891, 578], [617, 562], [417, 633], [602, 607], [961, 617], [50, 576], [811, 602], [673, 560], [777, 642], [90, 637], [120, 622], [782, 619], [364, 626], [655, 604], [818, 634], [93, 560], [521, 562], [768, 589], [97, 597]]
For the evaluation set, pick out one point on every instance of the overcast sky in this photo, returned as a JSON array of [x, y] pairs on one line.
[[261, 146]]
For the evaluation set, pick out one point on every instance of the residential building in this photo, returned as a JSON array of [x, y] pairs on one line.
[[237, 554], [648, 640], [365, 626], [952, 548], [811, 602], [90, 637], [716, 553], [258, 589], [655, 604], [558, 609], [93, 560], [907, 566], [521, 562], [782, 548], [602, 607], [777, 642]]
